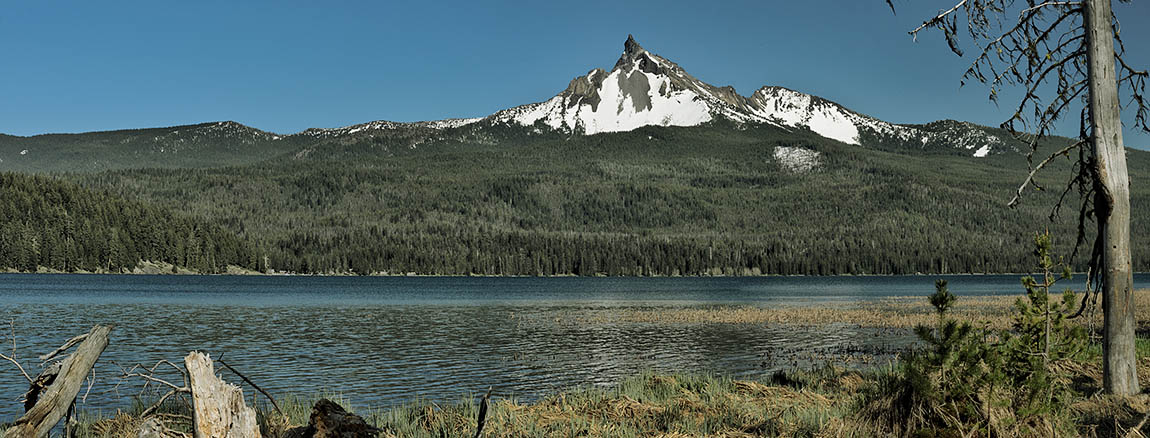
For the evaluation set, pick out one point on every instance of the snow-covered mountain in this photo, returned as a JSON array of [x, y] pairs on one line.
[[642, 89], [645, 89]]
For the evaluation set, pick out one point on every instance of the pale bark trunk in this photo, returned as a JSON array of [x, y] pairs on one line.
[[218, 407], [1112, 205]]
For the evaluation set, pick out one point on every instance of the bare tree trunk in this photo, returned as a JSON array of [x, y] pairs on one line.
[[1112, 204], [219, 410]]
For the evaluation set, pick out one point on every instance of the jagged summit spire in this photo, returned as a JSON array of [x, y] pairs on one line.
[[631, 46], [631, 51]]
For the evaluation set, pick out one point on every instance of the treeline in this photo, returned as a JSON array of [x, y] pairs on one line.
[[47, 223], [379, 251], [655, 201]]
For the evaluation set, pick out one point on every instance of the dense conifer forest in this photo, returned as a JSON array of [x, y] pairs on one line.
[[59, 226], [711, 200]]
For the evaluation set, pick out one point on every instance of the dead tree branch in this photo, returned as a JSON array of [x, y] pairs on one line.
[[67, 344], [940, 18], [253, 384], [148, 374], [12, 358], [14, 362], [1064, 152]]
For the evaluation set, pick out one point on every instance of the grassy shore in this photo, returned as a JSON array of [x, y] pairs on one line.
[[821, 402], [825, 401]]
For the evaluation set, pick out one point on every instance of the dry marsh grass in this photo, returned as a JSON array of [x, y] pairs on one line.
[[645, 406], [897, 312], [820, 402]]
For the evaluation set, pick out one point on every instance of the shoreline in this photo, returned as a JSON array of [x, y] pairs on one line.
[[821, 401], [825, 398], [156, 269]]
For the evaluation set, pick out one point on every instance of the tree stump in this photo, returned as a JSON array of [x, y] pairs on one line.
[[219, 408], [330, 420]]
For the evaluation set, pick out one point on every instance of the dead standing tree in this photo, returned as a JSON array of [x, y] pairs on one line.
[[1063, 55]]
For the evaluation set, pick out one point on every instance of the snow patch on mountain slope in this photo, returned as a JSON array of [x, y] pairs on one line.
[[228, 133], [617, 109], [385, 125], [449, 123], [795, 159], [620, 111], [793, 108]]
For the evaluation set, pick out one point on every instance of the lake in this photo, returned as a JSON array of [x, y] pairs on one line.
[[382, 341]]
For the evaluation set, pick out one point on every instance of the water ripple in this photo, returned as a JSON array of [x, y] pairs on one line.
[[381, 342]]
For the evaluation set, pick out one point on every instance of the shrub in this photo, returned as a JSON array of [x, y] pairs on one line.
[[970, 381]]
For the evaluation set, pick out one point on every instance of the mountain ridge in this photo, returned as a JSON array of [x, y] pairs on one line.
[[641, 89], [640, 78]]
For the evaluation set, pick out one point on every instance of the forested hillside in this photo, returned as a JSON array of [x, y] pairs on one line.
[[714, 199], [52, 224], [203, 145]]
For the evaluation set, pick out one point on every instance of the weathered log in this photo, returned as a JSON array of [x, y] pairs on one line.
[[53, 402], [40, 383], [218, 407], [330, 420]]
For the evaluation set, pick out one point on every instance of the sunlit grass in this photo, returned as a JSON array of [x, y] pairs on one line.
[[897, 312], [822, 401], [647, 405]]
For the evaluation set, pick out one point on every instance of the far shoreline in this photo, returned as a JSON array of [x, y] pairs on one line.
[[235, 271]]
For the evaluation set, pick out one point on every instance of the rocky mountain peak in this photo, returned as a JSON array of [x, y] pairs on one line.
[[631, 47], [632, 53]]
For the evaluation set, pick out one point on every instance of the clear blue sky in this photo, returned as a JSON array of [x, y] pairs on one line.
[[284, 66]]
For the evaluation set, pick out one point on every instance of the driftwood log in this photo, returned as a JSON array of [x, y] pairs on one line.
[[218, 407], [55, 398]]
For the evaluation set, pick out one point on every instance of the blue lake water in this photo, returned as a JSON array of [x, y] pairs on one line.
[[381, 341]]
